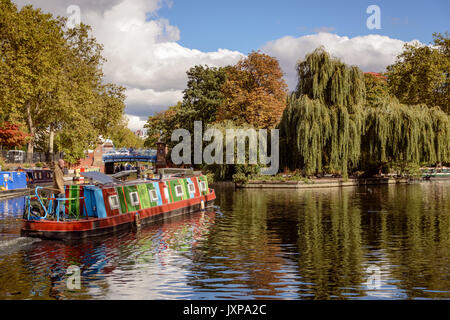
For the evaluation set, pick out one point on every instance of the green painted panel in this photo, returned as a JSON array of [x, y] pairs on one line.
[[185, 189], [128, 191], [173, 184], [121, 200], [149, 187], [74, 205], [205, 180], [143, 196]]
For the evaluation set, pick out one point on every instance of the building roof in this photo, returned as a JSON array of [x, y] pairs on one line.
[[377, 75]]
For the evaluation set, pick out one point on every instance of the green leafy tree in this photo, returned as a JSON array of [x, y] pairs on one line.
[[203, 95], [51, 79], [162, 124], [376, 88], [123, 137], [223, 171], [421, 74], [32, 51]]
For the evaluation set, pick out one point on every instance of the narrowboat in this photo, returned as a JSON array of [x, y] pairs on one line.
[[12, 180], [38, 176], [436, 174], [109, 206]]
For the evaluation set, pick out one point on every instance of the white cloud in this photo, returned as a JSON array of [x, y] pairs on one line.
[[135, 122], [370, 53], [142, 55], [142, 102]]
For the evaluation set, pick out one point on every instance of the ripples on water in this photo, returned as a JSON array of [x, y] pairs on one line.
[[262, 244]]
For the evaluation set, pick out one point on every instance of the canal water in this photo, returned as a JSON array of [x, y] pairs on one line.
[[378, 242]]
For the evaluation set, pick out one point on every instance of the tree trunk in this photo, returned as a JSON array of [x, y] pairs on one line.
[[50, 145], [32, 132]]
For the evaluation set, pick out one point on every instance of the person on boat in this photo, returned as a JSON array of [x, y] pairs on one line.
[[138, 172], [58, 176], [58, 182]]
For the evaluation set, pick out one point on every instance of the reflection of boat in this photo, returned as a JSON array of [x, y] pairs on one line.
[[13, 207], [109, 206], [47, 263]]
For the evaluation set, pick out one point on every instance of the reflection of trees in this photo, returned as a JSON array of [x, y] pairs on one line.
[[329, 242], [422, 254], [257, 236], [16, 282], [403, 229], [240, 248]]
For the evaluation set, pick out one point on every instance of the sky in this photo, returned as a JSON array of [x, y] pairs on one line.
[[150, 44], [246, 25]]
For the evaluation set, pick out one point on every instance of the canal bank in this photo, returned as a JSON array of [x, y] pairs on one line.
[[321, 183]]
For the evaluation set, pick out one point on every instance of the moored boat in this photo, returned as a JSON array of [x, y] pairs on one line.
[[38, 177], [104, 208], [436, 174], [12, 180]]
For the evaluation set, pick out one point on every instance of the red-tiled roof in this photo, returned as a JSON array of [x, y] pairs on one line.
[[377, 75]]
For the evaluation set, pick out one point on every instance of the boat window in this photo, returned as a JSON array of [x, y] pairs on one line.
[[114, 202], [202, 186], [179, 191], [134, 198], [153, 195], [191, 188]]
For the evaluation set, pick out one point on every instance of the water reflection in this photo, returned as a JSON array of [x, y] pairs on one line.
[[107, 265], [10, 211], [12, 207], [281, 244]]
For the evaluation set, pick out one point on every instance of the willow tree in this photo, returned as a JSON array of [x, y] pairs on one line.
[[399, 135], [322, 123]]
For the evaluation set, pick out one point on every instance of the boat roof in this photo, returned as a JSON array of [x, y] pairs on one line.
[[111, 181], [99, 177]]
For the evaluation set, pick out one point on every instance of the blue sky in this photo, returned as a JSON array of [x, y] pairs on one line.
[[244, 25]]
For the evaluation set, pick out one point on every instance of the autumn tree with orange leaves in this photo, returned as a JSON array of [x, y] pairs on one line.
[[12, 136], [255, 92]]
